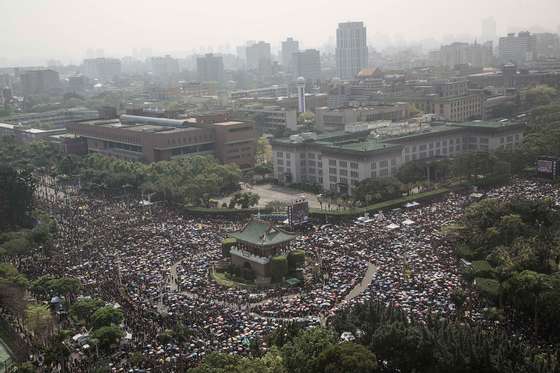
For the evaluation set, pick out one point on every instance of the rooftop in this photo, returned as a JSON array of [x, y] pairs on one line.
[[262, 233]]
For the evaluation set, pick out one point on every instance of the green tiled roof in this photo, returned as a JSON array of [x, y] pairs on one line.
[[261, 233]]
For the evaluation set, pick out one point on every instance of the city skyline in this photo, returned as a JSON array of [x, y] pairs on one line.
[[41, 29]]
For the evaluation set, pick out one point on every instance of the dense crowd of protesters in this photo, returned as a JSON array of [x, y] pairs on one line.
[[155, 264]]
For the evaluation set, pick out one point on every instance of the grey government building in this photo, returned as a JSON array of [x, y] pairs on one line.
[[339, 160]]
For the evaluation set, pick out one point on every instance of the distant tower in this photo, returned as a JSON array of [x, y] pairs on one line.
[[301, 94], [351, 49]]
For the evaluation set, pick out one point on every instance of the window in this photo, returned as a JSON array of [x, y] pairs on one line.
[[343, 180], [354, 165], [343, 172], [343, 164], [374, 165], [280, 161], [332, 179], [288, 155], [332, 171], [311, 155], [302, 162], [393, 161], [302, 155], [354, 174], [288, 164], [384, 173], [332, 162], [384, 164]]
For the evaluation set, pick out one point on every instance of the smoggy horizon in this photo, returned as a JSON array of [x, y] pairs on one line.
[[37, 30]]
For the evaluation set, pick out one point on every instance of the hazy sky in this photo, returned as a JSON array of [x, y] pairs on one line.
[[65, 29]]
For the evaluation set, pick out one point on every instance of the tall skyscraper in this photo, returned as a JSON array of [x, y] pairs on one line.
[[489, 30], [258, 55], [548, 45], [518, 48], [164, 66], [307, 64], [289, 47], [210, 68], [351, 49], [102, 68]]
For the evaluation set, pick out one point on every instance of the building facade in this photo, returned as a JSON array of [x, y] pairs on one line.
[[351, 49], [518, 49], [337, 119], [339, 161], [37, 82], [258, 55], [307, 64], [269, 118], [210, 68], [157, 139], [104, 69], [289, 47]]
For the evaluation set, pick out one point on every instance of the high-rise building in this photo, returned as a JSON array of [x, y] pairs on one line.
[[164, 66], [489, 30], [307, 64], [476, 55], [210, 68], [548, 45], [289, 47], [37, 82], [102, 68], [258, 55], [519, 49], [351, 49]]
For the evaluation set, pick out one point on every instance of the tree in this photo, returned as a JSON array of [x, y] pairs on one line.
[[377, 189], [217, 363], [84, 309], [412, 172], [263, 151], [105, 316], [296, 259], [16, 196], [39, 320], [524, 290], [540, 95], [347, 357], [12, 289], [276, 206], [278, 268], [227, 244], [244, 199], [107, 336], [302, 354]]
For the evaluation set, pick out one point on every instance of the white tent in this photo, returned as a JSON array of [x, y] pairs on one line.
[[408, 222], [392, 226], [411, 205]]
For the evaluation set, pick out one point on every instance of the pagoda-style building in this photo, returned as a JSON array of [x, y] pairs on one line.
[[257, 244]]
